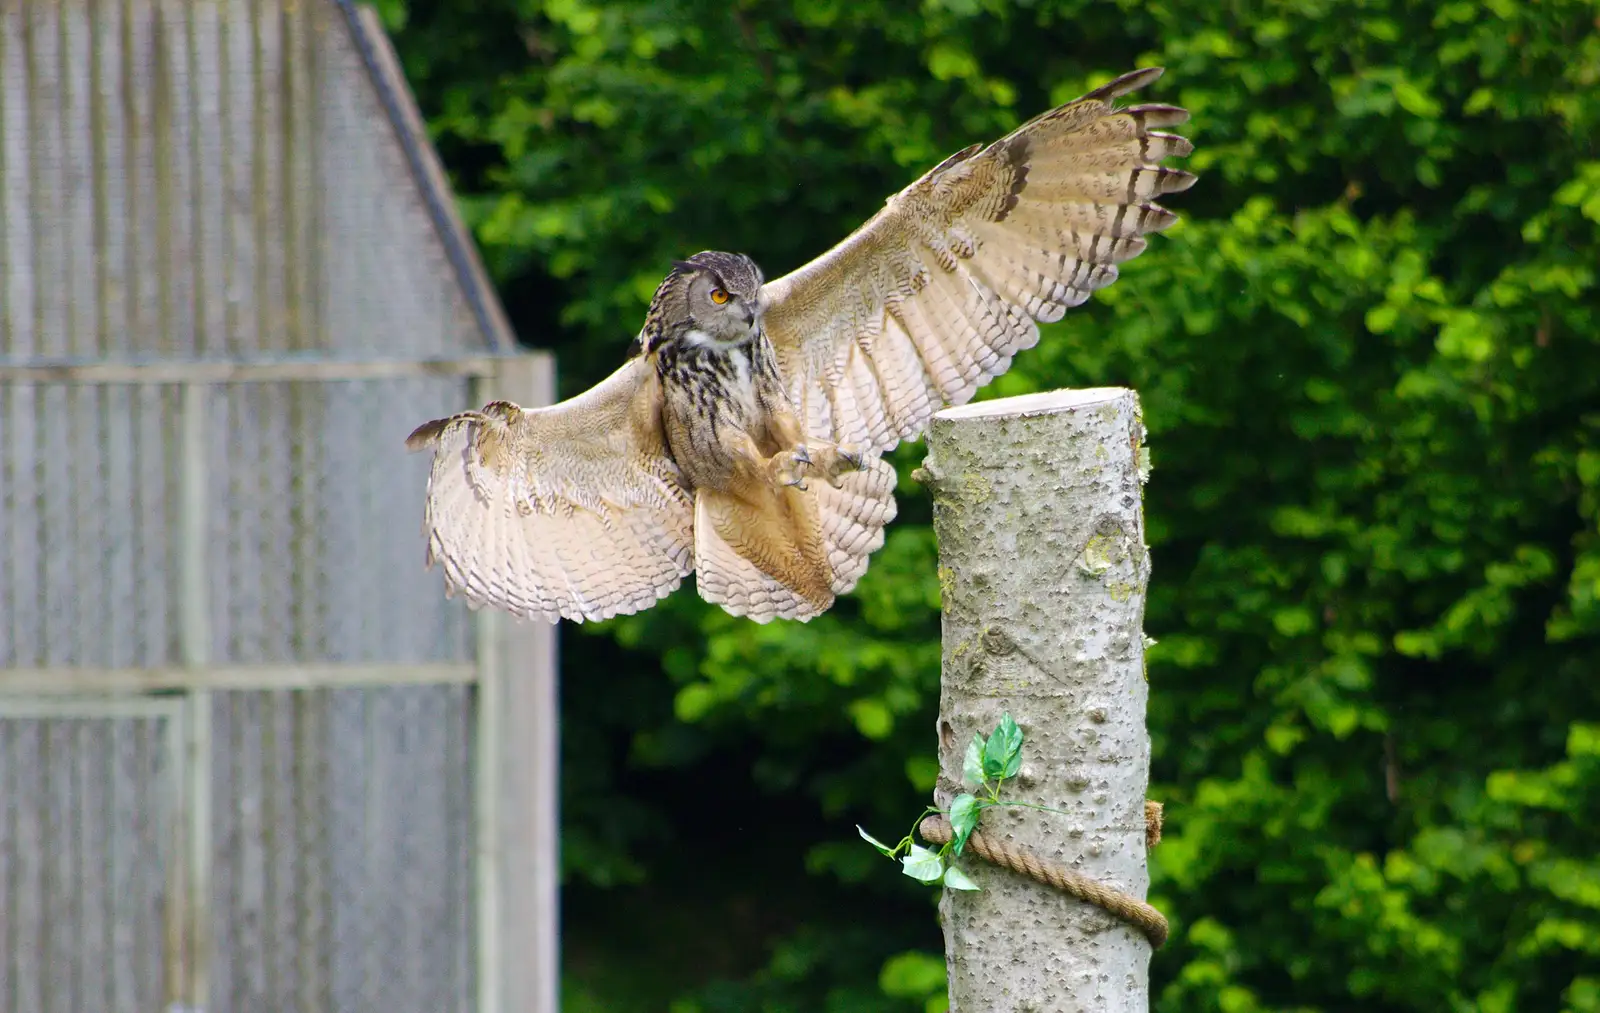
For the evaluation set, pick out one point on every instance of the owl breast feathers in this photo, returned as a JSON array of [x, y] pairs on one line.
[[742, 439]]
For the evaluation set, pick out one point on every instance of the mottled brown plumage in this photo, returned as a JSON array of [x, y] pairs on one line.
[[742, 439]]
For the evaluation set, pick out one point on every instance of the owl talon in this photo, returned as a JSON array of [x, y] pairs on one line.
[[789, 468], [834, 462]]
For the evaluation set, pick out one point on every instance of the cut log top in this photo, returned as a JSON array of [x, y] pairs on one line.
[[1042, 403]]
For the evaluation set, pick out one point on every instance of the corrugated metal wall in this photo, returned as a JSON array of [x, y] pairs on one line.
[[85, 849], [86, 525], [194, 180], [314, 475], [341, 855], [342, 869], [200, 178], [205, 179], [316, 552]]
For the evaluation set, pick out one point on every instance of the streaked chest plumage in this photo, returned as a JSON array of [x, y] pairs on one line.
[[710, 390]]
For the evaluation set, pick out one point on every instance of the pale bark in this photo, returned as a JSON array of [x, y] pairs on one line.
[[1043, 567]]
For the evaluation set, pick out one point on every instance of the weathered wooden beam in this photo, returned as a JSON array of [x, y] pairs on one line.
[[518, 779], [18, 707], [81, 682], [245, 371], [194, 648]]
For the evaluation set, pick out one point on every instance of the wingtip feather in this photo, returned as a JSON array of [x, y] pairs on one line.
[[426, 435], [1129, 82]]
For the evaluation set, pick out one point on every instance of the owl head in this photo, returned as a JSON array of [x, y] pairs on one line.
[[711, 299]]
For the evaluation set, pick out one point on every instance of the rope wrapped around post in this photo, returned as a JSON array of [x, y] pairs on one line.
[[1008, 856]]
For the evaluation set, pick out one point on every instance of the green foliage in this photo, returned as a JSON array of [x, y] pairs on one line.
[[918, 976], [989, 762], [1369, 363]]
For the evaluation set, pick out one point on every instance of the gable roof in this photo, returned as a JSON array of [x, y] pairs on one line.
[[384, 71], [224, 181]]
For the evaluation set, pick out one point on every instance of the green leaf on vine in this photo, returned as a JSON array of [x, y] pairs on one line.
[[955, 879], [923, 865], [972, 763], [1002, 755], [874, 841], [963, 817]]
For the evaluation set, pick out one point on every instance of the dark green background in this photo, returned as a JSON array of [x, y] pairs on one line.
[[1371, 372]]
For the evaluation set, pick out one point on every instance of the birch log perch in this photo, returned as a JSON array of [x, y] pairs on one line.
[[1043, 568]]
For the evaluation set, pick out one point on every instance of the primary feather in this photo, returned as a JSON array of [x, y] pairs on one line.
[[931, 298]]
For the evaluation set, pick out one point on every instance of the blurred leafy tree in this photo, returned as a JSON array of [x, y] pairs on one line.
[[1370, 363]]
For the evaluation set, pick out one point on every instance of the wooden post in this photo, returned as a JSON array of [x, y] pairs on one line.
[[1043, 568], [519, 784], [194, 642]]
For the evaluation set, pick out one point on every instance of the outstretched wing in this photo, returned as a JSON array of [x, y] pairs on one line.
[[575, 510], [932, 297]]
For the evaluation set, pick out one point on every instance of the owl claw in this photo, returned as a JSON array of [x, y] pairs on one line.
[[789, 468], [834, 462]]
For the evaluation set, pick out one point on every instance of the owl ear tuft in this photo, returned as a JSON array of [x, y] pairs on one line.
[[690, 267]]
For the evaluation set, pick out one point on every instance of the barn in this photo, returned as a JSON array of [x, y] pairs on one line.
[[251, 759]]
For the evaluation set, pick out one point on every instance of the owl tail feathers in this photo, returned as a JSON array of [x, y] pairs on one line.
[[758, 554], [786, 553]]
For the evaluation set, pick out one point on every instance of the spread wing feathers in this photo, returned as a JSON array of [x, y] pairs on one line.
[[932, 297], [771, 553], [574, 510]]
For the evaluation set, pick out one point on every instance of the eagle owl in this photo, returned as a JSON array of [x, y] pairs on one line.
[[742, 437]]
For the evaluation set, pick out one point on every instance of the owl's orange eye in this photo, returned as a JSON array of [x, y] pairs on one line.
[[719, 296]]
